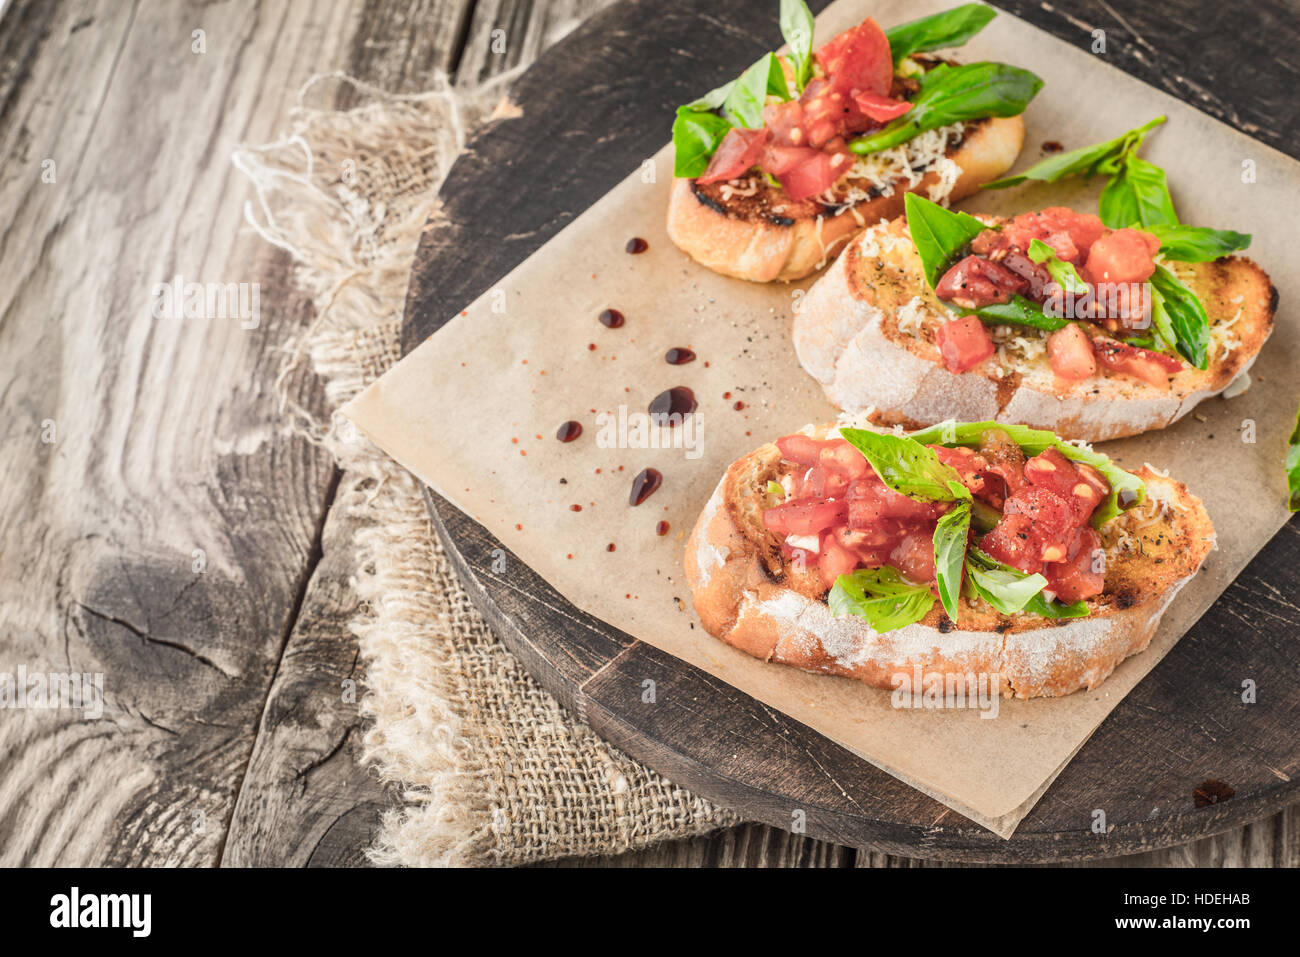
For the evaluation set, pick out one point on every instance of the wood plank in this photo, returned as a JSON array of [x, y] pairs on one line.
[[281, 820], [164, 537]]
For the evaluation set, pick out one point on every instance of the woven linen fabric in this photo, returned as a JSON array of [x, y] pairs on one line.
[[489, 768]]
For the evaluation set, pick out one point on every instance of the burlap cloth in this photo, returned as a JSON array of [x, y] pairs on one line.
[[489, 769]]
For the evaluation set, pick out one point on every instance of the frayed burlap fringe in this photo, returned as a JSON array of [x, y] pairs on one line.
[[489, 768]]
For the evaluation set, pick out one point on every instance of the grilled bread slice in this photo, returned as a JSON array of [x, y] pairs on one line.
[[750, 229], [747, 594], [866, 332]]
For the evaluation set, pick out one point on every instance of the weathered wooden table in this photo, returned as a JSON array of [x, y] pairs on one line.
[[156, 514]]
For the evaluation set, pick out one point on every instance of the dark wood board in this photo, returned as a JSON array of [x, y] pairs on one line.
[[605, 93]]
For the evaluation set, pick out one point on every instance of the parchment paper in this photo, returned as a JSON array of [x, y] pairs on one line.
[[473, 412]]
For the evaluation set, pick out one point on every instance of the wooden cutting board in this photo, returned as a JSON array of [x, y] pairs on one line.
[[1182, 757]]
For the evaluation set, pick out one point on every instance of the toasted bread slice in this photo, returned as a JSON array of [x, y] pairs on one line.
[[750, 230], [749, 596], [866, 332]]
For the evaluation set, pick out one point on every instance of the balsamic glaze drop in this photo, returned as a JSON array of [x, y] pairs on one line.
[[661, 528], [678, 401], [569, 431], [612, 319], [644, 485], [679, 356], [636, 245]]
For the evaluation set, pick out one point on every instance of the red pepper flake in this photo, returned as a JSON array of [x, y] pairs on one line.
[[738, 406], [575, 507], [518, 528], [609, 547], [661, 529], [591, 346], [726, 395]]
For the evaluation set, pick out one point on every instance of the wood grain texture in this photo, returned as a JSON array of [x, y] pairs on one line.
[[226, 737], [1141, 768]]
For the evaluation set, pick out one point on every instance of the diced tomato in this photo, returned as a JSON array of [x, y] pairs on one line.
[[1082, 573], [1049, 511], [964, 343], [739, 150], [1121, 256], [1005, 473], [779, 160], [785, 122], [819, 483], [809, 517], [816, 174], [843, 459], [1063, 245], [882, 109], [1151, 367], [1084, 228], [1070, 351], [859, 59], [835, 560], [1010, 543], [914, 556], [826, 110], [800, 448], [974, 282], [1031, 272], [1052, 470], [968, 463]]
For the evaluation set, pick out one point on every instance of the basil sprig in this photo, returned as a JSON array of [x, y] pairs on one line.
[[1062, 272], [797, 29], [938, 234], [881, 596], [1197, 244], [696, 137], [951, 536], [1010, 590], [1293, 468], [951, 94], [1085, 161], [907, 466], [1179, 317], [1020, 311], [941, 31], [1034, 441], [1137, 194]]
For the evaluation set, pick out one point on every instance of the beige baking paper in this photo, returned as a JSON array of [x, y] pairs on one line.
[[474, 411]]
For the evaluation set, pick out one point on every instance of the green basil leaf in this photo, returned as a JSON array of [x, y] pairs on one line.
[[797, 28], [1197, 244], [950, 536], [942, 31], [1006, 589], [905, 465], [745, 101], [881, 596], [710, 101], [696, 135], [1064, 273], [1293, 468], [1084, 161], [1137, 194], [939, 234], [1020, 312], [1180, 318], [954, 94], [1003, 586], [1034, 441]]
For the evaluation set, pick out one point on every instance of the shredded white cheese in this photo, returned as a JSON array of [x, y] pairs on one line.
[[905, 164]]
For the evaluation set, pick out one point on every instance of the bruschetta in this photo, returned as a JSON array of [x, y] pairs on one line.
[[968, 548], [1134, 343], [776, 171]]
